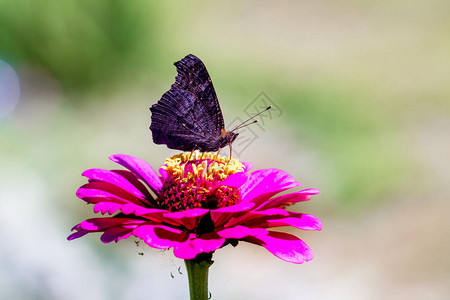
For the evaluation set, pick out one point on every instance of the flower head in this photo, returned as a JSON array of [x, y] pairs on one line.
[[197, 204]]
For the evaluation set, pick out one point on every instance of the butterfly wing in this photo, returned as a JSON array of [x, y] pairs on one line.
[[178, 120], [193, 76], [188, 116]]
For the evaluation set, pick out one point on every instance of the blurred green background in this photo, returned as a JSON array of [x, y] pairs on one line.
[[364, 92]]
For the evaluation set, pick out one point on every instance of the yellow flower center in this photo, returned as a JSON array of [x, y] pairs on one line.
[[193, 179]]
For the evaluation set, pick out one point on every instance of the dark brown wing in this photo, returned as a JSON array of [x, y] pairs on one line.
[[188, 116], [179, 121], [193, 76]]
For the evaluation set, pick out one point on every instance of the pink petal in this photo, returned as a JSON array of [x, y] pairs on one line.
[[256, 217], [142, 211], [300, 221], [96, 191], [289, 199], [247, 166], [234, 180], [163, 173], [157, 215], [284, 246], [221, 215], [271, 212], [130, 208], [160, 236], [153, 214], [141, 169], [100, 224], [115, 179], [107, 207], [263, 184], [131, 177], [77, 234], [239, 232], [115, 234], [194, 246], [188, 218]]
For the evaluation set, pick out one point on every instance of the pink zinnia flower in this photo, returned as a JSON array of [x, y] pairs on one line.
[[199, 203]]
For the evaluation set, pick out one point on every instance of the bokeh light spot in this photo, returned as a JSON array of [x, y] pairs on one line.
[[9, 89]]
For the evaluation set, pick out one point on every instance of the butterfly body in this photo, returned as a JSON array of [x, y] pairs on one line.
[[188, 116]]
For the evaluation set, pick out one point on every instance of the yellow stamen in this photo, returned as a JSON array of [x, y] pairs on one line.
[[193, 181], [219, 168]]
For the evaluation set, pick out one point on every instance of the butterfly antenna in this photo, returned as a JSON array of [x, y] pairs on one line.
[[243, 124]]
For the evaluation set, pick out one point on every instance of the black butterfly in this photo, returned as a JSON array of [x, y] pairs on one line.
[[188, 116]]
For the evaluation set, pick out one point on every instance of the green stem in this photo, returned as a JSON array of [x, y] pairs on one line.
[[197, 270]]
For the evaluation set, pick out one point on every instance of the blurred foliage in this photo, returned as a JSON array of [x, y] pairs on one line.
[[107, 43], [361, 162], [81, 43]]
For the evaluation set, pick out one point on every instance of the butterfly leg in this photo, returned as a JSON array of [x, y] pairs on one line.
[[215, 156], [231, 150], [192, 151], [190, 154]]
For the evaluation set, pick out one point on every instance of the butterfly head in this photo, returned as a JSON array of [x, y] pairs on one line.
[[227, 137]]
